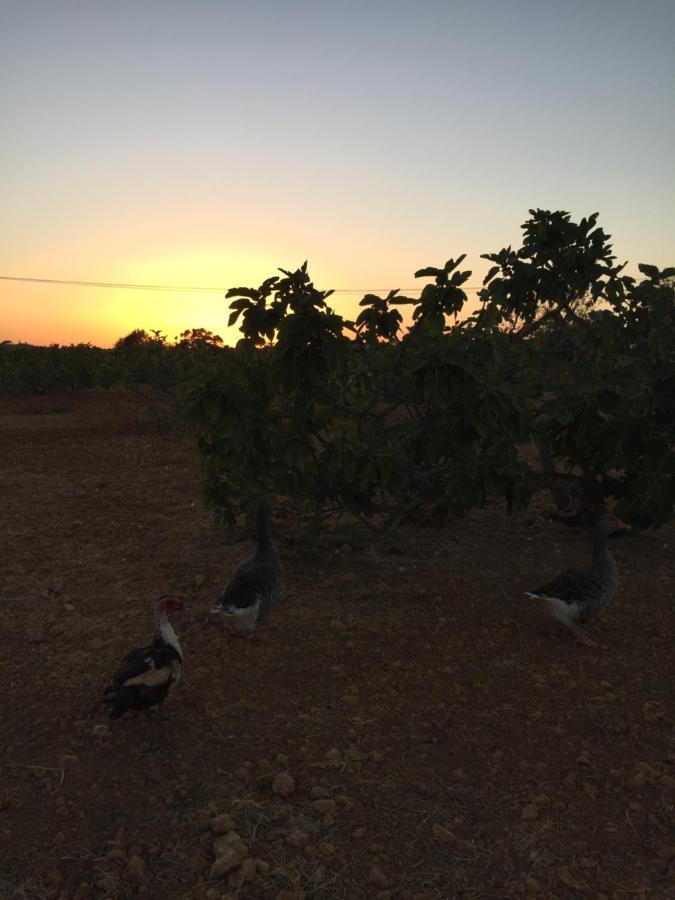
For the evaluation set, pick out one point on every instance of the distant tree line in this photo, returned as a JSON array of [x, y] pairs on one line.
[[139, 358]]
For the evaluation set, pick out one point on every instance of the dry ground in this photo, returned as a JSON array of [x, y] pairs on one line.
[[444, 738]]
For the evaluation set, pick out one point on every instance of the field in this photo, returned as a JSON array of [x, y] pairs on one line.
[[444, 739]]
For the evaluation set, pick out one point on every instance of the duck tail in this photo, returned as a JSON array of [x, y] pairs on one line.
[[105, 700], [110, 700]]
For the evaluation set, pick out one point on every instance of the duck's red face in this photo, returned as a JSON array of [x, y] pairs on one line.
[[619, 527], [170, 604]]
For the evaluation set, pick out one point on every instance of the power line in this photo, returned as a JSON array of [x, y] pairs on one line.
[[190, 290], [119, 286]]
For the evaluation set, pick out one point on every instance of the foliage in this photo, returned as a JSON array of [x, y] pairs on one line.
[[377, 425], [372, 419], [597, 351]]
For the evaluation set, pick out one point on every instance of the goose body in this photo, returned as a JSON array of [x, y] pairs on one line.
[[255, 586], [147, 675], [578, 596]]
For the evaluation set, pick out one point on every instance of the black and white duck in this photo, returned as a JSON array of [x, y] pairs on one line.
[[146, 676], [578, 596], [255, 586]]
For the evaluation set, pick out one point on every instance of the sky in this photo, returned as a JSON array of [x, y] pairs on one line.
[[203, 143]]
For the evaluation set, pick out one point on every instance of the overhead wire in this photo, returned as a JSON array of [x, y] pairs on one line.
[[192, 289]]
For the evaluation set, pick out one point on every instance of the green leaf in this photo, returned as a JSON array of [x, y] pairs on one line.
[[251, 293], [650, 271]]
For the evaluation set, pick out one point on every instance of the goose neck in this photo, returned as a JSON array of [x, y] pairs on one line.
[[263, 527], [602, 558]]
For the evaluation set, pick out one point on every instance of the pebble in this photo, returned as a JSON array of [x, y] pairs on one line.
[[83, 892], [637, 781], [324, 805], [247, 872], [565, 877], [319, 793], [223, 843], [354, 755], [334, 757], [283, 784], [222, 824], [297, 838], [135, 870], [377, 877], [529, 812], [318, 875], [231, 858]]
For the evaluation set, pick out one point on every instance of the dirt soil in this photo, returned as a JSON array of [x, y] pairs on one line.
[[444, 738]]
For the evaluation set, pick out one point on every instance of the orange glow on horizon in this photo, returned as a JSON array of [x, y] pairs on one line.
[[70, 314], [64, 314]]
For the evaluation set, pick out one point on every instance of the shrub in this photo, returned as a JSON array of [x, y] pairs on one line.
[[369, 419]]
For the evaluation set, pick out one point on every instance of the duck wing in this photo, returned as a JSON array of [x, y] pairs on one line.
[[573, 586], [146, 664], [144, 678]]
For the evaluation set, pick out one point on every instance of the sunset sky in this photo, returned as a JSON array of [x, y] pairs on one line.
[[206, 143]]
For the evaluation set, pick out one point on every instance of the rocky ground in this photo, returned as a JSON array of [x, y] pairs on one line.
[[408, 726]]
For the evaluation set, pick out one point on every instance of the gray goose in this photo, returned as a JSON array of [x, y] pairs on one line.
[[146, 676], [255, 586], [578, 596]]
